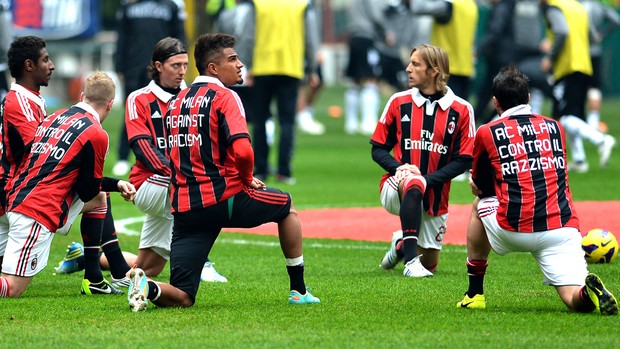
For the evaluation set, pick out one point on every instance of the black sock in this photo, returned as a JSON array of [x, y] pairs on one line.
[[410, 220], [296, 276], [154, 291], [476, 270], [111, 246], [91, 227]]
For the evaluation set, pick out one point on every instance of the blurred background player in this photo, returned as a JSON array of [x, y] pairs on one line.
[[227, 194], [430, 132], [283, 41], [151, 174], [508, 214], [64, 173], [497, 49], [603, 20], [569, 61], [141, 23], [310, 87], [454, 30], [366, 28], [531, 46]]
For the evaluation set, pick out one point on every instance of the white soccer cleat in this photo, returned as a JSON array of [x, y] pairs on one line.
[[138, 290], [391, 258], [604, 150], [122, 282], [415, 269], [209, 274]]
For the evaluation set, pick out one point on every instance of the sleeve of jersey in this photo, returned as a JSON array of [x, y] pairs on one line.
[[232, 108], [384, 135], [93, 154], [482, 170], [141, 138], [244, 159], [151, 157]]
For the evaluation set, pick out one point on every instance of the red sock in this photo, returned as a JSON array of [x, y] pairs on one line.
[[4, 287]]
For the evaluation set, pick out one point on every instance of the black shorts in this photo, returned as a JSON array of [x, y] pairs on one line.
[[364, 59], [570, 94], [195, 232]]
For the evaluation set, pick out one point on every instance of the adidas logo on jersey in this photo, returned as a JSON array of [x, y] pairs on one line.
[[156, 115], [405, 118]]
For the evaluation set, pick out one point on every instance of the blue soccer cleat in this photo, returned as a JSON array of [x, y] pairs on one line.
[[70, 264], [297, 298]]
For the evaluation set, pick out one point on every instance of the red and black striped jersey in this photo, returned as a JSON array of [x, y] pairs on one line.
[[144, 115], [521, 158], [200, 126], [69, 146], [22, 111], [429, 135]]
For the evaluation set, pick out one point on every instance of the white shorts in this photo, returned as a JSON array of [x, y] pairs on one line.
[[4, 233], [74, 210], [28, 247], [558, 251], [152, 199], [432, 228]]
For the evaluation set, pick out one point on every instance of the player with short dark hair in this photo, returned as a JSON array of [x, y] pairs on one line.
[[64, 171], [208, 144], [430, 132], [144, 114], [21, 112], [524, 203]]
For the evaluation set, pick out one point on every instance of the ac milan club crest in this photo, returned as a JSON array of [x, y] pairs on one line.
[[451, 127], [33, 263]]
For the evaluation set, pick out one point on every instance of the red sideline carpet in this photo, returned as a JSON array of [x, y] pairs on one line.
[[375, 224]]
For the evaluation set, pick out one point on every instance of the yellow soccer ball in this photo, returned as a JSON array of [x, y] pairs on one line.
[[600, 246]]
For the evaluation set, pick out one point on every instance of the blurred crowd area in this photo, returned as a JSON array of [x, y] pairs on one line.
[[81, 35]]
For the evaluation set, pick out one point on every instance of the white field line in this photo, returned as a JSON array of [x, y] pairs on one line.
[[122, 228]]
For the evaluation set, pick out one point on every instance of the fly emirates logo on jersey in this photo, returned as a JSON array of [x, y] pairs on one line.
[[187, 125], [425, 143], [529, 155]]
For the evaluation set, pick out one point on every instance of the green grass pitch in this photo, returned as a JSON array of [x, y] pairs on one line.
[[362, 306]]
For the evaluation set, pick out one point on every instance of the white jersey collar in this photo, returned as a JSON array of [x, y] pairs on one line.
[[444, 102], [89, 109], [160, 93], [207, 79], [523, 109], [38, 99]]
